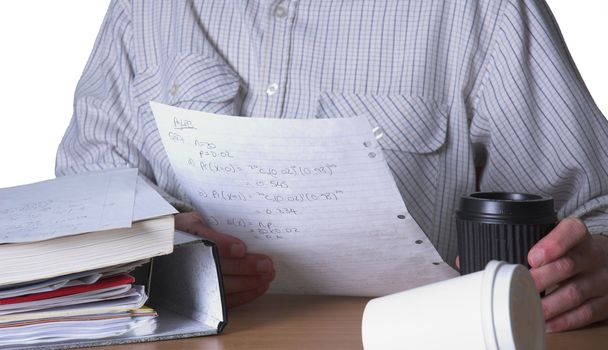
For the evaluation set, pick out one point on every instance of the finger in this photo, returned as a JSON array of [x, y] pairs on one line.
[[236, 299], [566, 235], [457, 262], [237, 284], [251, 264], [187, 222], [577, 260], [228, 246], [591, 311], [574, 293]]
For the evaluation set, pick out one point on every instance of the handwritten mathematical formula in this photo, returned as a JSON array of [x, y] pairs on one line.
[[271, 192]]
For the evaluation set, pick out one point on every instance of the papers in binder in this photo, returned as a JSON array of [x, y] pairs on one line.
[[315, 194], [72, 290]]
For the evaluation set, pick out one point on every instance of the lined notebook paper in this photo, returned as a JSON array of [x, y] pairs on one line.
[[316, 195]]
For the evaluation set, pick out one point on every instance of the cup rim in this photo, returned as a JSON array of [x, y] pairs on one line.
[[508, 196], [506, 207], [487, 302], [497, 321]]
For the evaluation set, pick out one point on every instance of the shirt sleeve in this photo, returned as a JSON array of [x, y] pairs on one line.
[[534, 121], [103, 133]]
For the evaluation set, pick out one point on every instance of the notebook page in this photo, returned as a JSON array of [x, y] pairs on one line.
[[149, 203], [316, 195], [68, 205]]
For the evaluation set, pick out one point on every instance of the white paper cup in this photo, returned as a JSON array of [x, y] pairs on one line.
[[494, 309]]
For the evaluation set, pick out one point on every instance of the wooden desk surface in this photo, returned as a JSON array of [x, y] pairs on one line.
[[321, 322]]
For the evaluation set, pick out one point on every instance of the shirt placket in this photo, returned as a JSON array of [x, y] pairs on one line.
[[275, 58]]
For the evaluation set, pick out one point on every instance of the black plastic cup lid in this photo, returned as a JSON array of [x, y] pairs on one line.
[[506, 207]]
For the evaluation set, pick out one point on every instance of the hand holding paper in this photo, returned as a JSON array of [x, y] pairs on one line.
[[246, 276], [315, 195]]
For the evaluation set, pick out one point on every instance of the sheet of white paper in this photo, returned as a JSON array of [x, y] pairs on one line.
[[49, 285], [314, 194], [109, 293], [74, 279], [62, 326], [148, 203], [136, 298], [70, 330], [67, 205]]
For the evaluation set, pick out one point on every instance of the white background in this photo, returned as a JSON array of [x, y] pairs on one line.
[[44, 46]]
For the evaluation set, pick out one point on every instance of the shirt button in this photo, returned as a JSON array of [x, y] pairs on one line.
[[378, 133], [280, 11], [174, 89], [272, 89]]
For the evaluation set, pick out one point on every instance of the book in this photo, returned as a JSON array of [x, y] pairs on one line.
[[34, 251], [23, 262]]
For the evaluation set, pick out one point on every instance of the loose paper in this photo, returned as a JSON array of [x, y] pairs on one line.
[[134, 299], [67, 205], [110, 293], [314, 194], [57, 331], [148, 203]]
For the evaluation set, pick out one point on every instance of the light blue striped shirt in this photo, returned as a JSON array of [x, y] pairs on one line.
[[454, 85]]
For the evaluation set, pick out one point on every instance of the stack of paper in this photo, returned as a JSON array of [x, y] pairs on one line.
[[84, 305], [67, 247]]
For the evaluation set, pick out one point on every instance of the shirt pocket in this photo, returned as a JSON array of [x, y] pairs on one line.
[[410, 124], [414, 133], [189, 80]]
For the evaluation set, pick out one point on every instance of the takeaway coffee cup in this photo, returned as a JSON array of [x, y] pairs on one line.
[[500, 226], [494, 309]]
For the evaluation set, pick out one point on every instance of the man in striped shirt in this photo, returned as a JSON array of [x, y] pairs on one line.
[[454, 86]]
